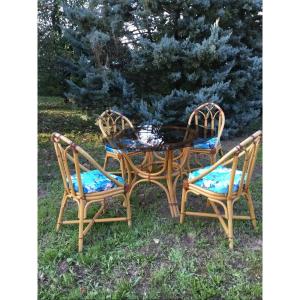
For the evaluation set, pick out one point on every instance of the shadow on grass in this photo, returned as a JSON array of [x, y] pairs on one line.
[[64, 122]]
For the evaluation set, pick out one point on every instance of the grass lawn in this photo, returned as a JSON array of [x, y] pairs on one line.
[[155, 259]]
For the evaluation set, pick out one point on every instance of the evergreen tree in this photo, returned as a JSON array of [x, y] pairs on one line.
[[52, 46], [158, 60], [99, 54], [182, 60]]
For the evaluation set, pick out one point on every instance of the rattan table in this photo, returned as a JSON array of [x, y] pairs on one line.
[[161, 165]]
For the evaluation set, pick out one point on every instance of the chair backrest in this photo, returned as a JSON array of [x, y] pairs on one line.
[[70, 159], [243, 156], [208, 115], [111, 122]]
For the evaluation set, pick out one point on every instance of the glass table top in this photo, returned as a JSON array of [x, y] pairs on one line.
[[159, 137]]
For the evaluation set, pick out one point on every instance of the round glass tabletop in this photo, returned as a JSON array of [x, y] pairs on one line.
[[159, 137]]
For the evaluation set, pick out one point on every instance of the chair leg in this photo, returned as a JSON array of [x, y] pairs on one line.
[[230, 223], [128, 208], [213, 158], [61, 211], [81, 218], [122, 168], [219, 216], [183, 203], [208, 204], [123, 174], [251, 208], [188, 162]]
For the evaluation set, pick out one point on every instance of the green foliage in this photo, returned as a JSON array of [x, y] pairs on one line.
[[52, 47], [158, 60], [96, 73], [187, 61]]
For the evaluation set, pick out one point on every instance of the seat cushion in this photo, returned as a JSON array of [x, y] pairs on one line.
[[95, 181], [203, 143], [218, 180], [108, 148]]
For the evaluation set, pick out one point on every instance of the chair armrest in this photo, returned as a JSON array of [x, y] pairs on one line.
[[228, 158], [87, 156]]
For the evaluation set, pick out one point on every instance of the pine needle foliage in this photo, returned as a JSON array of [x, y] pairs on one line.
[[158, 60]]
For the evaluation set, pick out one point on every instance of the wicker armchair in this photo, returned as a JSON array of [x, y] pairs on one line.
[[209, 115], [223, 184], [86, 187], [111, 122]]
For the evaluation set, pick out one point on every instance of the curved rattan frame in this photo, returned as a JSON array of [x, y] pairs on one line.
[[210, 114], [111, 122], [246, 151], [68, 152], [169, 172]]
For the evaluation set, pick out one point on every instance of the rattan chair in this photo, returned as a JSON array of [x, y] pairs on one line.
[[88, 186], [208, 115], [223, 184], [111, 122]]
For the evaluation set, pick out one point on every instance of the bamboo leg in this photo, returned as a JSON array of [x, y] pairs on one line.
[[149, 160], [173, 202], [169, 182], [128, 207], [220, 217], [78, 212], [123, 174], [207, 203], [213, 158], [129, 172], [61, 211], [81, 219], [101, 211], [175, 182], [230, 223], [122, 167], [251, 208], [188, 163], [183, 203], [182, 159]]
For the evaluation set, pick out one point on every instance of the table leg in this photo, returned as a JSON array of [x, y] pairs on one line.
[[149, 156], [173, 202]]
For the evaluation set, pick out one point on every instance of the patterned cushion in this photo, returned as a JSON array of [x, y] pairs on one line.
[[95, 181], [203, 143], [108, 148], [218, 180]]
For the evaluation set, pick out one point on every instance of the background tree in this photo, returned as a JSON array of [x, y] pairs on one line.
[[158, 60], [97, 80], [52, 47], [49, 45], [183, 61]]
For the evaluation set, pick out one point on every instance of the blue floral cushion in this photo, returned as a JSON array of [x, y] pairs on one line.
[[95, 181], [218, 180], [108, 148], [203, 143]]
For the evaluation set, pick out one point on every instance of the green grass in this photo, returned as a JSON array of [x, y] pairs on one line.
[[155, 259]]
